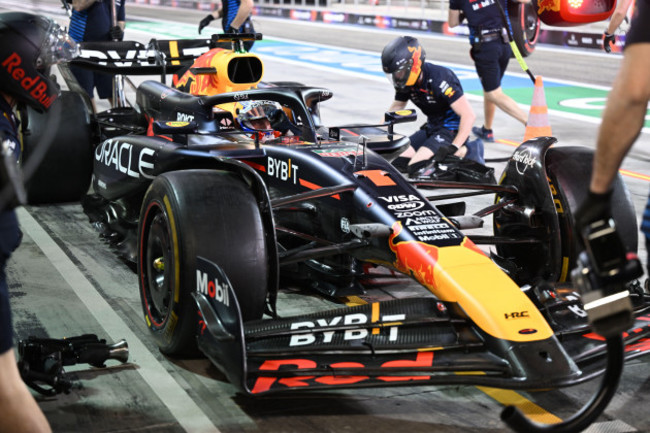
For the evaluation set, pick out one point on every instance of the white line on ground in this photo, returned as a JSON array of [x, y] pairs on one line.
[[173, 396]]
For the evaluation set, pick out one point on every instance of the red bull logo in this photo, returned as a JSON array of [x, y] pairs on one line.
[[414, 258], [548, 5], [37, 88]]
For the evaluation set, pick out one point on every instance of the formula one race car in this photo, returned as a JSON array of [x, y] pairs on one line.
[[218, 218]]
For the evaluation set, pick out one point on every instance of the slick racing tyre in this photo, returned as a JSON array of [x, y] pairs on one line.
[[551, 205], [569, 170], [197, 213], [525, 26], [58, 151]]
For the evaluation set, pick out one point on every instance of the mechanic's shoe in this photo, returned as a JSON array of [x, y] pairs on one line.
[[483, 134], [475, 151]]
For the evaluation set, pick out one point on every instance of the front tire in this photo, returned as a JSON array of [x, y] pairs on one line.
[[190, 214]]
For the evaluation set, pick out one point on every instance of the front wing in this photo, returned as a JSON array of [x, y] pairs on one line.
[[404, 342]]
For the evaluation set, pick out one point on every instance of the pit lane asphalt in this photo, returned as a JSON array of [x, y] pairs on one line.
[[65, 282]]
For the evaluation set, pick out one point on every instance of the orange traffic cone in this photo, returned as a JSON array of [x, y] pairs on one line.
[[537, 125]]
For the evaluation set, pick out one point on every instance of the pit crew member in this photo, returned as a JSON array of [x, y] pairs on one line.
[[623, 118], [91, 21], [491, 54], [436, 90], [235, 18], [29, 45]]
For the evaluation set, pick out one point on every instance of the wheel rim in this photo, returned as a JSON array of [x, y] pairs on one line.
[[157, 265]]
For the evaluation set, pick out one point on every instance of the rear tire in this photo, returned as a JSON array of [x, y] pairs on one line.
[[186, 214], [64, 172], [525, 26]]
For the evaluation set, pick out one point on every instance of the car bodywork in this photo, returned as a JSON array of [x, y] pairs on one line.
[[327, 205]]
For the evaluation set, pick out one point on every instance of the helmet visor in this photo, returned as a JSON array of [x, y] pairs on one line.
[[256, 115], [57, 47], [400, 76]]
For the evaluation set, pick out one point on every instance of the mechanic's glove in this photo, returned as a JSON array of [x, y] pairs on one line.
[[231, 29], [445, 151], [595, 207], [608, 41], [205, 21], [415, 169], [116, 33]]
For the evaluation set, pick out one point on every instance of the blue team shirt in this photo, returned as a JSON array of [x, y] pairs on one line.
[[439, 88], [93, 24], [230, 9], [482, 15], [9, 232]]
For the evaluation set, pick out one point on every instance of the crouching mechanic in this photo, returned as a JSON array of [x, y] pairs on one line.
[[437, 92], [29, 44]]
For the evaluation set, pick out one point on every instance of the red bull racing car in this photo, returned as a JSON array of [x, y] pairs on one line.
[[219, 219]]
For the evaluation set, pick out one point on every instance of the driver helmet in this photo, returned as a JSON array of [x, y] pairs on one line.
[[256, 116], [30, 44], [402, 61]]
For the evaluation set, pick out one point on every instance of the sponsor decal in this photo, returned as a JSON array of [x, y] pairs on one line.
[[523, 160], [240, 96], [517, 315], [122, 157], [211, 281], [446, 89], [640, 345], [176, 124], [556, 198], [338, 152], [334, 17], [283, 170], [417, 213], [423, 220], [263, 384], [576, 309], [321, 336], [345, 225], [184, 117], [403, 202], [476, 5], [34, 85], [303, 15]]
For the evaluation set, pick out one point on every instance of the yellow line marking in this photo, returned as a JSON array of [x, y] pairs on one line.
[[511, 398]]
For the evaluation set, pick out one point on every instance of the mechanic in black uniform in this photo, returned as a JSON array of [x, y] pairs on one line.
[[436, 91], [91, 21], [491, 53], [623, 118], [235, 18], [29, 44]]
